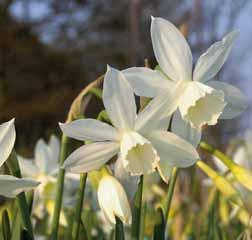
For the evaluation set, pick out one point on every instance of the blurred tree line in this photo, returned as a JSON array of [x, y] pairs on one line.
[[51, 49]]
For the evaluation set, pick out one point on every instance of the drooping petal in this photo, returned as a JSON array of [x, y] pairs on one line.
[[129, 182], [42, 155], [27, 167], [184, 130], [89, 130], [90, 157], [119, 100], [171, 50], [156, 115], [236, 101], [201, 104], [138, 155], [10, 186], [147, 82], [113, 200], [210, 62], [7, 140], [172, 150]]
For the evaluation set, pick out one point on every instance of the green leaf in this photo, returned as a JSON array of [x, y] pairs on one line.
[[136, 218], [119, 230], [159, 228], [6, 229]]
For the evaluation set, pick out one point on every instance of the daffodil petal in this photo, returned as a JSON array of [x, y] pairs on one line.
[[119, 100], [172, 149], [156, 115], [54, 146], [236, 101], [89, 130], [184, 129], [10, 186], [42, 155], [113, 200], [7, 140], [210, 62], [129, 182], [27, 167], [147, 82], [171, 50], [90, 157]]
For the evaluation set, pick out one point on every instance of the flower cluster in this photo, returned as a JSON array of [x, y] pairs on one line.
[[141, 141], [133, 141]]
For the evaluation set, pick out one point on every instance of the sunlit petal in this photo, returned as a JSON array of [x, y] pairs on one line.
[[10, 186], [90, 157], [171, 50], [118, 99], [156, 114], [89, 130], [210, 63], [7, 140], [147, 82], [172, 150], [129, 182], [236, 101], [184, 130]]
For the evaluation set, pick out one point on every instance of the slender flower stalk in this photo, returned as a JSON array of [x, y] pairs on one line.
[[119, 231], [243, 175], [78, 209], [171, 186], [21, 199], [60, 186], [137, 211]]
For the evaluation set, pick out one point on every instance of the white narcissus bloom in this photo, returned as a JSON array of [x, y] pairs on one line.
[[113, 200], [44, 168], [10, 186], [141, 141], [201, 101]]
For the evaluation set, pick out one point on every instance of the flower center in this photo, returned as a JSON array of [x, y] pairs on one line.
[[201, 105], [138, 155]]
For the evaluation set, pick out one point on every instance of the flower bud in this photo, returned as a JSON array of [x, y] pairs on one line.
[[113, 200]]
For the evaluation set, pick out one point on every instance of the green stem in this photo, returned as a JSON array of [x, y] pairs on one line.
[[60, 188], [21, 199], [78, 209], [137, 211], [119, 231], [170, 191]]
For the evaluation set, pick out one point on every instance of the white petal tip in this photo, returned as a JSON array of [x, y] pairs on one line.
[[108, 67], [152, 18]]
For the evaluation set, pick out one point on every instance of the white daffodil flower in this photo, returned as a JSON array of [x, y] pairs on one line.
[[44, 168], [113, 200], [201, 101], [10, 186], [141, 142]]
